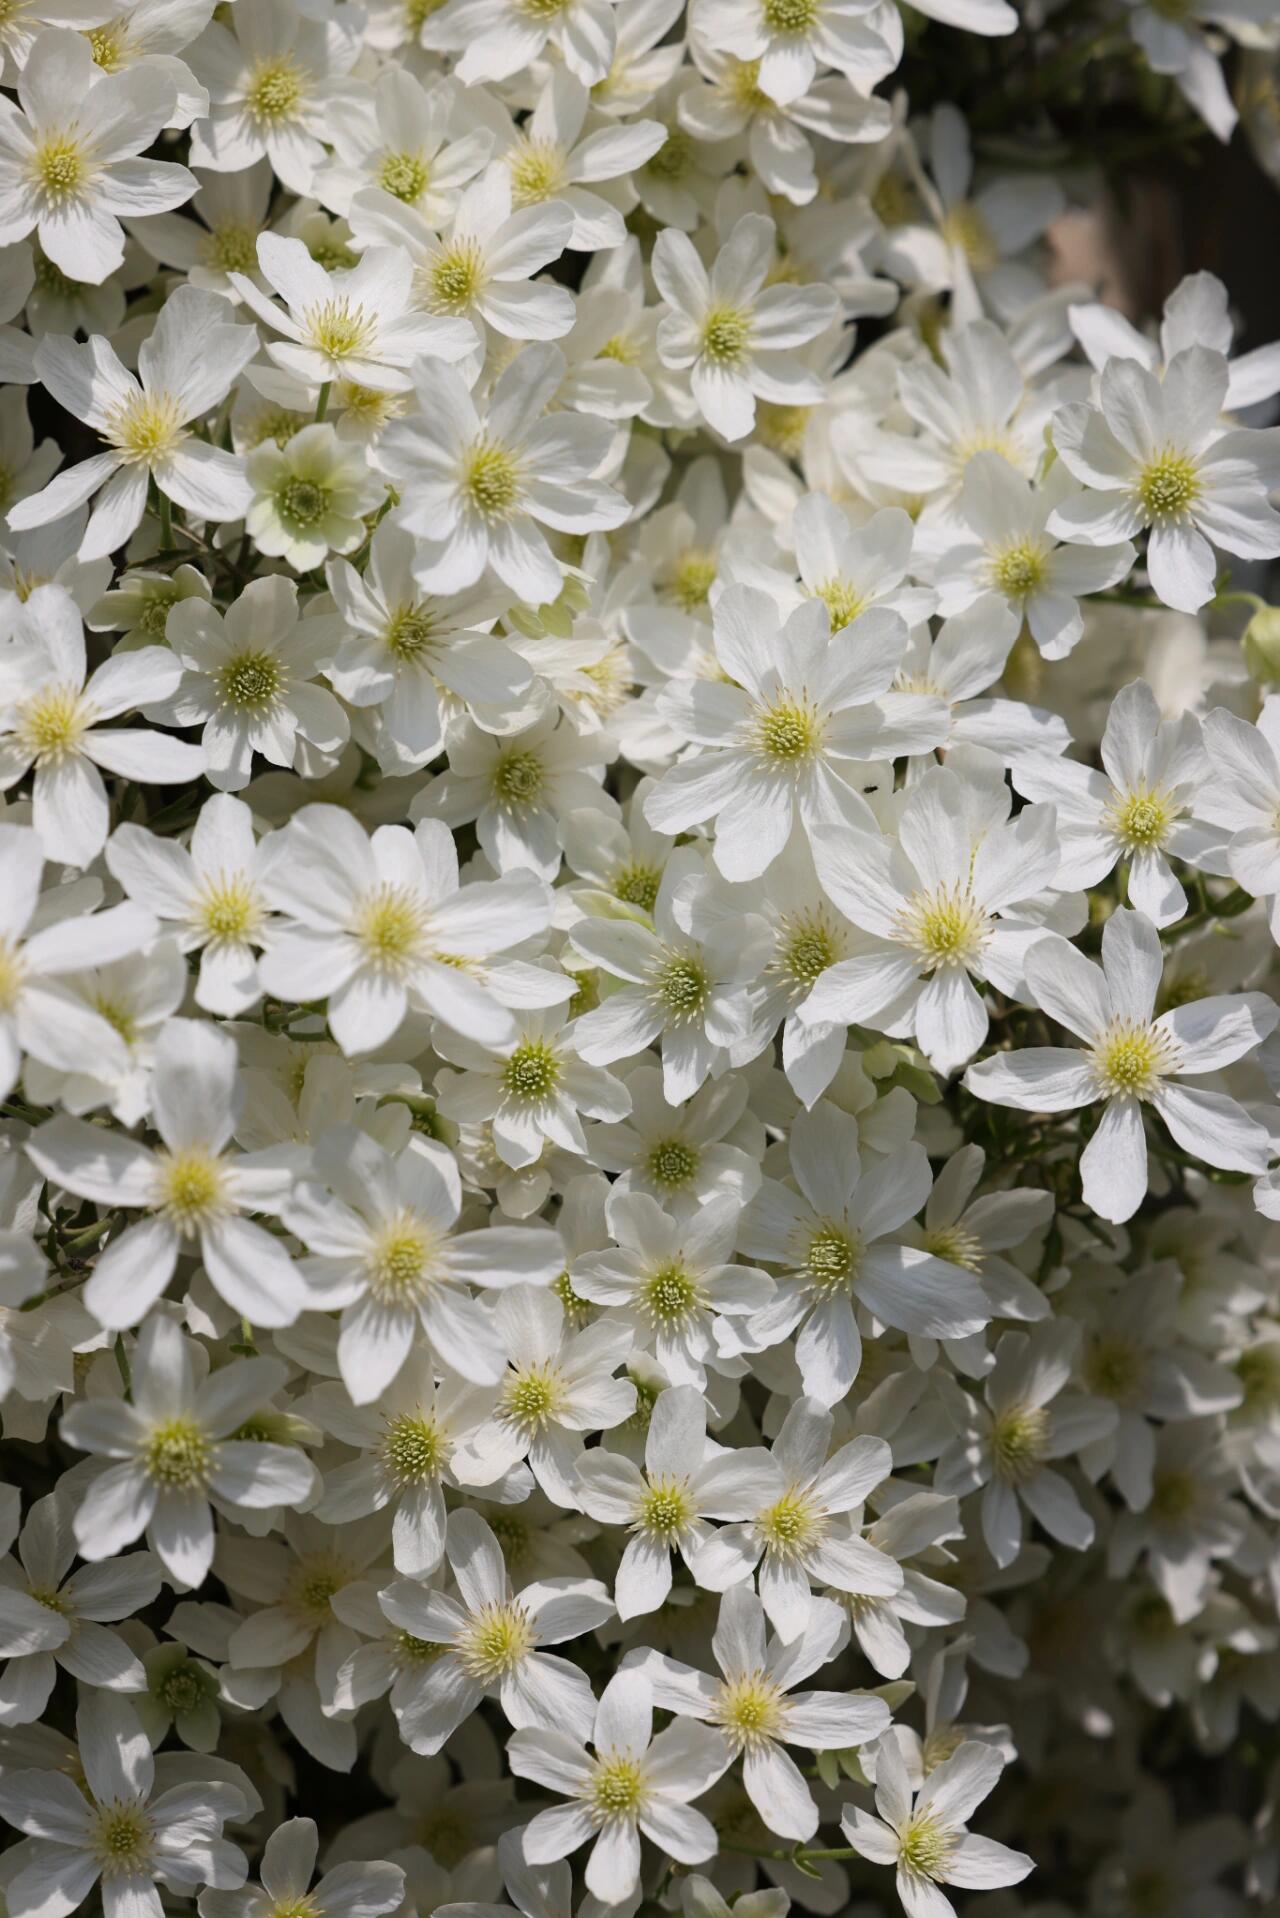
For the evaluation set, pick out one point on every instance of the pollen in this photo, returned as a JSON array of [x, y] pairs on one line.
[[674, 157], [518, 779], [1142, 818], [274, 92], [146, 431], [694, 576], [531, 1073], [749, 1710], [637, 885], [1019, 1442], [303, 503], [1113, 1368], [530, 1398], [410, 632], [177, 1455], [1168, 485], [957, 1245], [390, 924], [50, 726], [665, 1509], [807, 948], [339, 329], [192, 1188], [741, 83], [842, 600], [413, 1449], [228, 908], [416, 1652], [1130, 1059], [672, 1163], [454, 277], [726, 331], [683, 987], [537, 172], [791, 1525], [250, 682], [945, 927], [399, 1261], [1017, 570], [491, 480], [232, 248], [404, 176], [789, 16], [121, 1836], [617, 1788], [831, 1258], [787, 734], [924, 1846], [496, 1640], [670, 1296], [60, 167], [311, 1586]]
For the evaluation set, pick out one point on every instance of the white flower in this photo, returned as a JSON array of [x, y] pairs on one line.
[[402, 151], [519, 789], [738, 340], [186, 365], [1136, 810], [786, 732], [310, 496], [492, 1638], [69, 164], [1156, 454], [553, 160], [476, 487], [172, 1450], [750, 1703], [352, 325], [211, 892], [1129, 1059], [1242, 798], [790, 39], [685, 1481], [679, 1154], [118, 1830], [924, 1834], [832, 1240], [192, 1187], [381, 1230], [498, 38], [634, 1783], [379, 926], [51, 718], [531, 1091], [356, 1888], [673, 1283]]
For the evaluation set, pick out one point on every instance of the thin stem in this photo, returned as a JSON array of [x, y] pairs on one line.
[[122, 1360], [322, 404]]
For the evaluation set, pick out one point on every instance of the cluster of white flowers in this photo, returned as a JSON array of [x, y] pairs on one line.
[[638, 882]]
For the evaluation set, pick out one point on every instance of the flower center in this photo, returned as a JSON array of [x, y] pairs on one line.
[[725, 333], [122, 1838], [147, 430], [312, 1584], [1129, 1058], [232, 248], [787, 734], [842, 601], [274, 92], [408, 1650], [637, 885], [1019, 1439], [1142, 817], [410, 632], [965, 226], [807, 948], [923, 1846], [537, 171], [491, 480], [617, 1788], [831, 1260], [750, 1709], [665, 1509], [413, 1449], [454, 277], [518, 778], [177, 1454], [1173, 1497], [530, 1398], [228, 908], [693, 579], [250, 682], [399, 1260], [957, 1245], [1113, 1368], [51, 725], [741, 82], [532, 1071], [339, 329], [495, 1641], [390, 924], [303, 503], [192, 1190], [945, 927], [791, 1526], [403, 176], [59, 167], [1017, 570], [789, 16], [683, 987], [674, 157], [670, 1295], [672, 1162], [1167, 485]]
